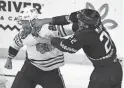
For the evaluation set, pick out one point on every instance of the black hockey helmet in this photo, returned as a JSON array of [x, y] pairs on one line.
[[89, 18]]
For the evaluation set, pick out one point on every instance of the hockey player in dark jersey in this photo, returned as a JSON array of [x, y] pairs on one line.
[[93, 38]]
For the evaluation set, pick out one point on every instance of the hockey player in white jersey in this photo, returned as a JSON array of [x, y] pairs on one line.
[[42, 59]]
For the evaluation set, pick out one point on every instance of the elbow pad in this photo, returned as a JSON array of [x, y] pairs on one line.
[[60, 20]]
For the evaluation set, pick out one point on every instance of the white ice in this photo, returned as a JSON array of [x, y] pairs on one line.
[[75, 76]]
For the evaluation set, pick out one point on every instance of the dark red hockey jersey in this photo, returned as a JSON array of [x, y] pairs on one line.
[[96, 43]]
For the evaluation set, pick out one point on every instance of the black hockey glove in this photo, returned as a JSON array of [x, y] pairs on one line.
[[73, 17]]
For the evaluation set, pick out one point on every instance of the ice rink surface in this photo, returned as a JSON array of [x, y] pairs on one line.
[[75, 76]]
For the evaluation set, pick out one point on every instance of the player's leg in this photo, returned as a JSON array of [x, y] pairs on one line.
[[116, 75], [22, 82], [23, 78], [53, 79], [99, 79], [117, 86], [106, 77]]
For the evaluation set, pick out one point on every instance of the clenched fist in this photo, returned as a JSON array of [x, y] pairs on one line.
[[38, 23]]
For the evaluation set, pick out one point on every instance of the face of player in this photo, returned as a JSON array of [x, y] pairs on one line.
[[29, 27], [35, 29], [26, 25], [81, 24]]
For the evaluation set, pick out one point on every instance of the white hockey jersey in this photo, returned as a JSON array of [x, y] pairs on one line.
[[39, 50]]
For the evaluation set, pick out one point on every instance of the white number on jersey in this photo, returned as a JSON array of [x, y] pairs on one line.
[[105, 37]]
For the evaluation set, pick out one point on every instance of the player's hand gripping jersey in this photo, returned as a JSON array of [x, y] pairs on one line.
[[39, 50]]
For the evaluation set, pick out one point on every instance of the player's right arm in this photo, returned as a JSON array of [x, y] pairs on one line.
[[16, 45], [13, 49]]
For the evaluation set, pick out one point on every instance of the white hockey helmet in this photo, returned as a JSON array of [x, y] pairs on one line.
[[28, 13]]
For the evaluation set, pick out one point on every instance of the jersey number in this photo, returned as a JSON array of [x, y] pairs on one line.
[[104, 37]]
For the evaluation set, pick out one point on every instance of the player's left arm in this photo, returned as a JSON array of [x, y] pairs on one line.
[[57, 20], [65, 19], [71, 45]]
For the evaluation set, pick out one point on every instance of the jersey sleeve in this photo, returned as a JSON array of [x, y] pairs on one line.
[[15, 45], [65, 30], [61, 20], [17, 41], [71, 45], [65, 19]]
